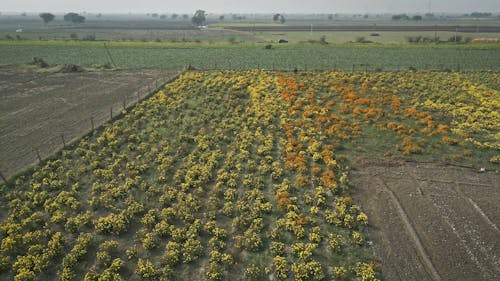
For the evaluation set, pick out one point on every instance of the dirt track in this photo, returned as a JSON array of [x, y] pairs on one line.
[[431, 222]]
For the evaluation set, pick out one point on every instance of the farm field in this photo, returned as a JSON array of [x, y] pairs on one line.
[[466, 57], [244, 175], [431, 222], [38, 106], [382, 37]]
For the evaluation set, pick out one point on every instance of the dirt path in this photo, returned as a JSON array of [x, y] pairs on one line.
[[412, 233]]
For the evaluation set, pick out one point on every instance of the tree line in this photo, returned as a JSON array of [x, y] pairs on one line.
[[69, 17]]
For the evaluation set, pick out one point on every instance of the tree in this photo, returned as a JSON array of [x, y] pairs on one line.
[[199, 18], [279, 17], [417, 18], [282, 19], [74, 18], [47, 17]]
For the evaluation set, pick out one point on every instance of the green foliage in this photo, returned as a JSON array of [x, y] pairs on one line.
[[39, 62], [47, 17], [147, 271], [250, 56], [172, 254], [192, 250], [335, 242], [281, 267], [366, 271], [74, 18], [199, 18], [308, 271], [113, 224], [255, 272]]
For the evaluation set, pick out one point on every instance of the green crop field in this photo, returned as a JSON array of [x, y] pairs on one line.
[[250, 56]]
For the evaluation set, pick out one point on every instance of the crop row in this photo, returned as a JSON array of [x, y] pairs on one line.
[[254, 56], [230, 175]]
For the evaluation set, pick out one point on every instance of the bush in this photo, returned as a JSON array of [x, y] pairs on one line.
[[89, 37], [361, 39], [254, 272], [146, 270], [268, 47], [39, 62], [114, 223], [308, 271], [414, 39], [457, 39]]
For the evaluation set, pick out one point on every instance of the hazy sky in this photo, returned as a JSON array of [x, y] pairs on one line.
[[252, 6]]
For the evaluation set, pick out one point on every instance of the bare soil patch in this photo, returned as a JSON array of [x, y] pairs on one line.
[[431, 221], [38, 107]]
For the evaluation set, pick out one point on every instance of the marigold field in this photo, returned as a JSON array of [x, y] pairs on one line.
[[239, 175]]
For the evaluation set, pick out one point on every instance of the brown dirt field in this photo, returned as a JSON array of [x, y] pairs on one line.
[[431, 221], [37, 107]]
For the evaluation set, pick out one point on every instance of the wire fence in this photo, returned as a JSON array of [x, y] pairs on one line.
[[56, 140], [61, 139]]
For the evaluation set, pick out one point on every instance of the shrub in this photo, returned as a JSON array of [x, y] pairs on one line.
[[280, 267], [308, 271], [89, 37], [114, 223], [39, 62], [456, 38], [146, 270]]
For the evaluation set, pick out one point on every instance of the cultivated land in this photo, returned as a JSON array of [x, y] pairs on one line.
[[254, 56], [227, 175], [39, 106], [431, 222], [245, 175]]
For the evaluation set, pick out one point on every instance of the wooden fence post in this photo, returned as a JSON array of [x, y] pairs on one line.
[[3, 177], [111, 112], [38, 155], [124, 103], [63, 140], [92, 122]]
